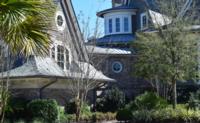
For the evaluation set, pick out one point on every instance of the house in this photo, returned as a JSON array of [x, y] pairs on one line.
[[48, 77], [121, 22]]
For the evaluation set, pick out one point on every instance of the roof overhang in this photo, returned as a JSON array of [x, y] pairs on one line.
[[37, 67], [113, 10]]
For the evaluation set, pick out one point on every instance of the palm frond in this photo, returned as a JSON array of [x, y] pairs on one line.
[[25, 25]]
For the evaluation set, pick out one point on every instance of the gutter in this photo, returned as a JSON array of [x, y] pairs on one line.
[[45, 86]]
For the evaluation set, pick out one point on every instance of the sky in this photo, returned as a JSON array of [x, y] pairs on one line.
[[85, 9]]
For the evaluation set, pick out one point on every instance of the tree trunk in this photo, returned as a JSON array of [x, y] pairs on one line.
[[78, 109], [174, 95]]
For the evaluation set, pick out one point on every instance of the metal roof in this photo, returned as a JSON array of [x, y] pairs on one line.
[[116, 9], [47, 67], [132, 5], [102, 50], [117, 38]]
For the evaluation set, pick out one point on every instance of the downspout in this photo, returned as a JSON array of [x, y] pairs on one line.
[[45, 86]]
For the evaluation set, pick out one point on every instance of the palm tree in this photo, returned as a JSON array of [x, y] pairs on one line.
[[24, 29], [25, 24]]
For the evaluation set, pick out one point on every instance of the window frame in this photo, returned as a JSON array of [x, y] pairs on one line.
[[126, 24], [117, 25], [110, 25], [61, 56], [62, 27], [120, 65], [143, 27]]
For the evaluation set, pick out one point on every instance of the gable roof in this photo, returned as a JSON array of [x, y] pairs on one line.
[[46, 67], [74, 30]]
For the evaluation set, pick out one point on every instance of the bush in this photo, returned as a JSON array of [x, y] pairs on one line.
[[194, 101], [149, 100], [168, 114], [46, 110], [70, 108], [99, 116], [17, 109], [124, 115], [112, 101]]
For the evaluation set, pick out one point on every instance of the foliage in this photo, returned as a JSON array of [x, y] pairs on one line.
[[70, 108], [194, 101], [149, 100], [99, 116], [44, 109], [142, 104], [16, 109], [124, 115], [184, 91], [25, 25], [169, 54], [180, 114], [112, 100], [93, 117]]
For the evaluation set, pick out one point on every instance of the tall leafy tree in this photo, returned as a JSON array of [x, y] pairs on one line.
[[170, 54]]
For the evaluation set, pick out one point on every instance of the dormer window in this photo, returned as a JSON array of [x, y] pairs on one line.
[[117, 23], [110, 26], [144, 21]]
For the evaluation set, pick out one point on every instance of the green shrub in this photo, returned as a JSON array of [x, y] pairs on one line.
[[70, 107], [180, 114], [124, 115], [17, 109], [194, 101], [46, 110], [112, 101], [99, 116], [142, 116], [149, 100]]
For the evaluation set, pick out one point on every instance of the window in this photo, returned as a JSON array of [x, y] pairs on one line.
[[61, 55], [117, 22], [110, 25], [67, 59], [144, 21], [60, 20], [126, 24], [53, 52], [117, 67], [1, 50]]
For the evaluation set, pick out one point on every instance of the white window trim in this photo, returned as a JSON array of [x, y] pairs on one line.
[[121, 67], [141, 20], [60, 28], [122, 31], [120, 24], [60, 43]]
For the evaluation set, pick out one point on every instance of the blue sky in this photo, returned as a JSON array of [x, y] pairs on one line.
[[88, 9]]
